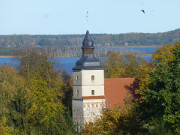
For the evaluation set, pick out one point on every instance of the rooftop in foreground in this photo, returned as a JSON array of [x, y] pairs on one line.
[[118, 90]]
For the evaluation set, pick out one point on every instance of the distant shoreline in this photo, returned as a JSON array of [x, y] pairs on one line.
[[67, 57], [7, 56]]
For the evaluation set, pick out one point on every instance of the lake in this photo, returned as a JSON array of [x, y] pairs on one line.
[[68, 63]]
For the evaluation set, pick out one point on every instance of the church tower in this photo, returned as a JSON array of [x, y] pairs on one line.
[[88, 85]]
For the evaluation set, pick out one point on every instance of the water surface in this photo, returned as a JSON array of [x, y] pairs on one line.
[[68, 63]]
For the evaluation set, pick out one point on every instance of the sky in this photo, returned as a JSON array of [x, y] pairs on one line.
[[53, 17]]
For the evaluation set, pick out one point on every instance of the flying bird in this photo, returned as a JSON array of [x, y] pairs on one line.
[[143, 11]]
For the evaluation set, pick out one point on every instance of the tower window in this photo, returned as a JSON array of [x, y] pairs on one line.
[[77, 92], [77, 77], [92, 92], [92, 77]]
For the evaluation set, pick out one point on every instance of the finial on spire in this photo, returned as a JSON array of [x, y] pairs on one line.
[[87, 18]]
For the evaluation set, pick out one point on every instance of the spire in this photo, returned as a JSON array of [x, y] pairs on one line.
[[87, 42], [87, 18], [88, 61]]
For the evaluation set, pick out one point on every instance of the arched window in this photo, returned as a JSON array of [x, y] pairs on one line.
[[92, 77], [92, 92], [77, 77]]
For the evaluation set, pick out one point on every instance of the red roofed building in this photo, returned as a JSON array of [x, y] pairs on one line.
[[118, 90]]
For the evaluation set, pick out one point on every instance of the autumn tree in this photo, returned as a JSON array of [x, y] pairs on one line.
[[67, 89], [18, 111], [10, 81], [4, 128], [120, 120], [123, 66], [160, 95], [47, 110], [35, 100]]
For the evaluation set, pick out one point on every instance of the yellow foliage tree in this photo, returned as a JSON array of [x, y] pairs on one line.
[[164, 54], [121, 119], [47, 110], [4, 128], [123, 66], [10, 81]]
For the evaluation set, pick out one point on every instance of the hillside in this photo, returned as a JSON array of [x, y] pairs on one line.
[[129, 39]]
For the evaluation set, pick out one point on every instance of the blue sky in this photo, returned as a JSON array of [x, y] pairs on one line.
[[105, 16]]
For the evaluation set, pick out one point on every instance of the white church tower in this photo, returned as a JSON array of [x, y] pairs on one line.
[[88, 85]]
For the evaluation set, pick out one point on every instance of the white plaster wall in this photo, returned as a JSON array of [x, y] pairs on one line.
[[85, 85], [98, 74], [98, 89]]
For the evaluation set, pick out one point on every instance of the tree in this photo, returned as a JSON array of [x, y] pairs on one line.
[[10, 81], [4, 128], [67, 89], [123, 66], [47, 110], [18, 111], [120, 120], [160, 97], [164, 54]]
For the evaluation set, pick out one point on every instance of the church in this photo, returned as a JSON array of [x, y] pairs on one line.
[[91, 91]]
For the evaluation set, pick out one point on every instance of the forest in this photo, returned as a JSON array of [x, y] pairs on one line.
[[36, 99], [10, 44]]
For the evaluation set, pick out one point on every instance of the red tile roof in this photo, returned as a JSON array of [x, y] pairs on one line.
[[117, 90]]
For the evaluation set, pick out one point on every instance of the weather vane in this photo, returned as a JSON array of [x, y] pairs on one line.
[[87, 18]]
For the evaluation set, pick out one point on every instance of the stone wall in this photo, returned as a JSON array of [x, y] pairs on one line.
[[92, 109]]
